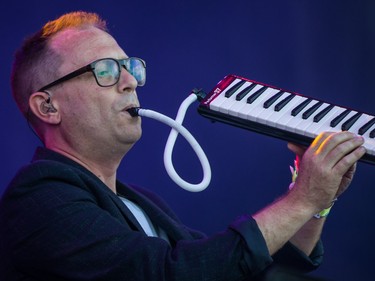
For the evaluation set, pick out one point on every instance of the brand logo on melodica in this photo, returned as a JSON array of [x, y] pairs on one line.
[[215, 93]]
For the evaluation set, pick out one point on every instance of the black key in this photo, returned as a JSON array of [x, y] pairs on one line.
[[349, 123], [284, 102], [245, 91], [301, 106], [323, 113], [272, 99], [339, 118], [233, 89], [256, 95], [372, 134], [311, 110], [367, 126]]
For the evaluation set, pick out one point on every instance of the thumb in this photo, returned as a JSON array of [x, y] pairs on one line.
[[299, 150]]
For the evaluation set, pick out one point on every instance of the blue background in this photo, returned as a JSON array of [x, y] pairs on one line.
[[323, 49]]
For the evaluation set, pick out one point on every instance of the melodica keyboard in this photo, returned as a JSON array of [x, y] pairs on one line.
[[283, 114]]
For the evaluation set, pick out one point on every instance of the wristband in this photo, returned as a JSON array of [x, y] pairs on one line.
[[323, 213]]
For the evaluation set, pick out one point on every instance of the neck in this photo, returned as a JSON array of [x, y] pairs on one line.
[[103, 166]]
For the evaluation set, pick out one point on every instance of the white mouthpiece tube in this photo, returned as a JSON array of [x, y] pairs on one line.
[[176, 129]]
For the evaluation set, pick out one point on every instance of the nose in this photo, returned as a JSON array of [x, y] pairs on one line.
[[127, 82]]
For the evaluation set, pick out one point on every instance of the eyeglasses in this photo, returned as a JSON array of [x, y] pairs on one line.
[[107, 71]]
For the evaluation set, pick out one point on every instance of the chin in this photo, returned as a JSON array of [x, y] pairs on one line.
[[134, 136]]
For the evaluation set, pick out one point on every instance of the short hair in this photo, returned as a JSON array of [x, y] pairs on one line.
[[36, 64]]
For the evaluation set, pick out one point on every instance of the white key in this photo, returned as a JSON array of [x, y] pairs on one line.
[[297, 120], [287, 116], [369, 142], [265, 114], [257, 105], [246, 110], [215, 104], [236, 107], [301, 127], [308, 131], [276, 115], [359, 123], [338, 128], [228, 102], [370, 146], [325, 123]]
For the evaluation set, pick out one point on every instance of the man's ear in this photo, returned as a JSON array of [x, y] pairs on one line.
[[43, 108]]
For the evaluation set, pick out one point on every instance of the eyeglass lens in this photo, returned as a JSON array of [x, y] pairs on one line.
[[107, 71], [137, 69]]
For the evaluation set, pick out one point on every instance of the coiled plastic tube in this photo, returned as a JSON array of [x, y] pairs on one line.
[[177, 128]]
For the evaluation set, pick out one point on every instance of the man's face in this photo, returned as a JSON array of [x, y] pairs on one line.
[[92, 114]]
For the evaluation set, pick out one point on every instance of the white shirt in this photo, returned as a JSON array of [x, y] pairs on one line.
[[144, 220]]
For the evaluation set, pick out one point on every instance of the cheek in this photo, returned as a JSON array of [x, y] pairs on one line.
[[80, 112]]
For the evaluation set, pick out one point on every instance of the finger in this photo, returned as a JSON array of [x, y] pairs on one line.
[[351, 171], [346, 180], [343, 148], [319, 140], [333, 142], [349, 160], [299, 150]]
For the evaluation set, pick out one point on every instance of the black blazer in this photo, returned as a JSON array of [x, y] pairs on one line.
[[60, 222]]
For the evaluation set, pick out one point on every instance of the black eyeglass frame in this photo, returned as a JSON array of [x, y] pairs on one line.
[[91, 67]]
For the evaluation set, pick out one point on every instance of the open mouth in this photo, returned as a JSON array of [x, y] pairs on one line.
[[132, 110]]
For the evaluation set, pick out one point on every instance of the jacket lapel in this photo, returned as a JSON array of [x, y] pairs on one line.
[[127, 214], [159, 218]]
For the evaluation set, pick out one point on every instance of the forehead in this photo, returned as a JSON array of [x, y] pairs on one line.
[[78, 47]]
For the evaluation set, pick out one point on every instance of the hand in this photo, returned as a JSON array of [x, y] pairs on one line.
[[327, 167], [299, 150]]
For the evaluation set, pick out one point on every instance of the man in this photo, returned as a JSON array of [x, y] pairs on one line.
[[66, 217]]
